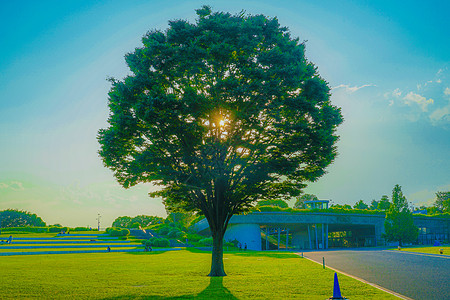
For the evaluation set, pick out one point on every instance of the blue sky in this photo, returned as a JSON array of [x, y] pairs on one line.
[[387, 63]]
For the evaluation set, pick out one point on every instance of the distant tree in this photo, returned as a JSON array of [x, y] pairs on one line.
[[384, 203], [300, 203], [345, 206], [361, 205], [374, 205], [122, 222], [220, 113], [181, 219], [443, 201], [273, 202], [399, 224], [143, 220], [19, 218]]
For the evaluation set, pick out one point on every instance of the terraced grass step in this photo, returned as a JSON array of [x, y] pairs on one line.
[[82, 234], [82, 251], [64, 238], [68, 246], [50, 241]]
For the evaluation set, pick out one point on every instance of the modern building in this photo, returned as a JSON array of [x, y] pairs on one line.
[[320, 230]]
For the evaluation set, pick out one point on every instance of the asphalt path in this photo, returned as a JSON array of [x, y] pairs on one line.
[[417, 276]]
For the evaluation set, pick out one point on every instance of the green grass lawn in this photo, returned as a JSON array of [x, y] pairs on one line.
[[430, 250], [172, 275]]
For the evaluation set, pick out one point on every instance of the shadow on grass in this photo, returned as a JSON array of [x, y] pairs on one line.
[[215, 290]]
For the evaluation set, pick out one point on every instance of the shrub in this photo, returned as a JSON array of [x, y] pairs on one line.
[[206, 241], [135, 225], [174, 233], [117, 231], [81, 229], [164, 230], [156, 242], [58, 229], [193, 237], [26, 229]]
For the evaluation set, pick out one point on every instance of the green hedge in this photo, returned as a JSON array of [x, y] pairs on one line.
[[82, 229], [112, 231], [58, 229], [156, 242], [26, 229], [206, 241]]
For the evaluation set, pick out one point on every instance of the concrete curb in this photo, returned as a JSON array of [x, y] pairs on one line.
[[362, 280], [420, 253]]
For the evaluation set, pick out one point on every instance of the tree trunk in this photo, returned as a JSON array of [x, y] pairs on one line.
[[217, 256]]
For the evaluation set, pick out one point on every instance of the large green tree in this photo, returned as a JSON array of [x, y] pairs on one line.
[[399, 224], [361, 205], [19, 218], [443, 201], [300, 202], [220, 113]]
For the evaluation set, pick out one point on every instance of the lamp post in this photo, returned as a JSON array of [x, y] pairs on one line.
[[98, 222]]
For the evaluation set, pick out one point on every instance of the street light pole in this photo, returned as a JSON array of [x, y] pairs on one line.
[[98, 222]]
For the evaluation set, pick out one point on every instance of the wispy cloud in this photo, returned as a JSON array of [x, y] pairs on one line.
[[352, 89], [415, 99], [12, 185], [447, 91]]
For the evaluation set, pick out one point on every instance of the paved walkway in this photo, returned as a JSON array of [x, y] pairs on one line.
[[415, 275]]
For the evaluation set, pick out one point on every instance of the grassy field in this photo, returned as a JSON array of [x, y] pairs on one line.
[[430, 250], [172, 275]]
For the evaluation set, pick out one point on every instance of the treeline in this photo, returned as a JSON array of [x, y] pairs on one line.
[[440, 207], [19, 218]]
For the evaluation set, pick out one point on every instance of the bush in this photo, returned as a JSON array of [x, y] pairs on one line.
[[156, 242], [58, 229], [174, 233], [117, 231], [26, 229], [193, 237], [135, 225], [206, 241], [81, 229], [164, 230]]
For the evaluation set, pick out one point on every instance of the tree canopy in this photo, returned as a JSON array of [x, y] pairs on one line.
[[220, 113], [399, 224], [300, 202], [361, 205], [19, 218], [443, 201]]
